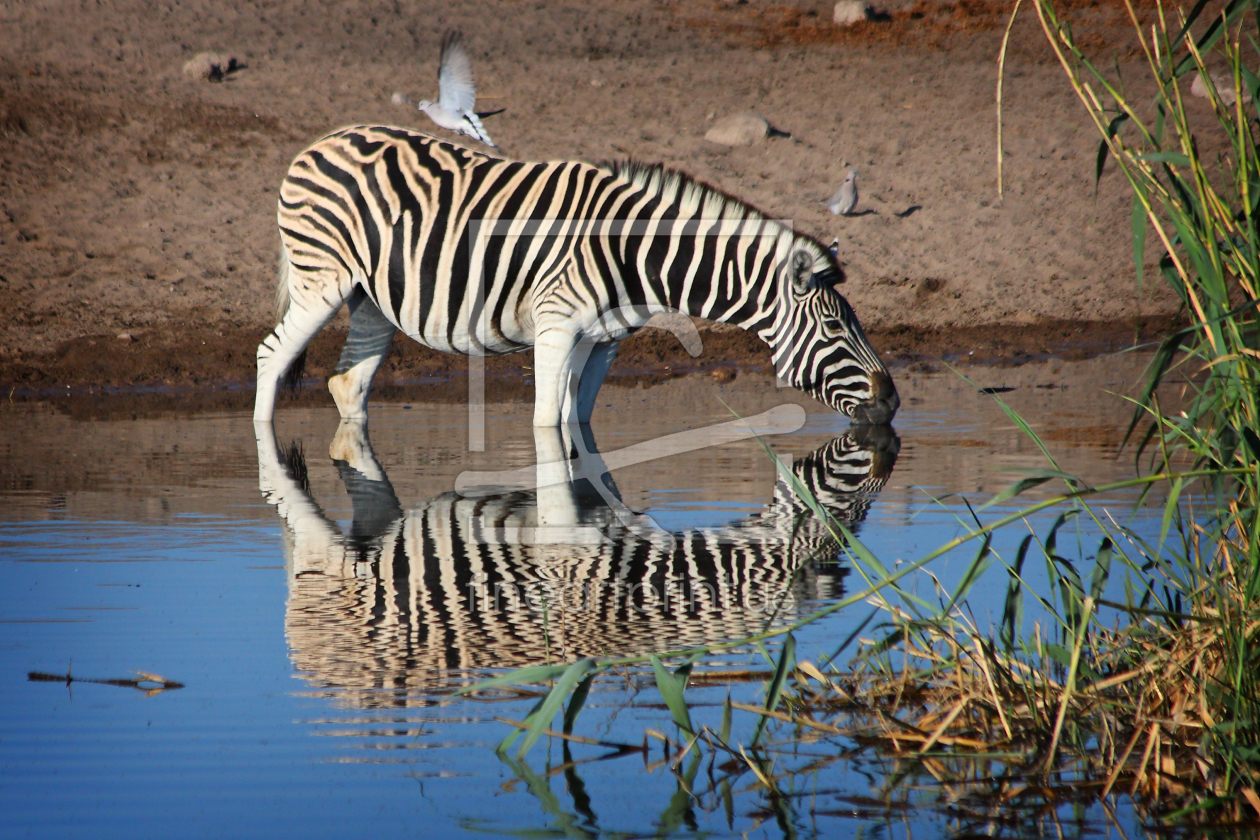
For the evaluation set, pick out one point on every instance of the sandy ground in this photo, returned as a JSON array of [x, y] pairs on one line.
[[135, 200]]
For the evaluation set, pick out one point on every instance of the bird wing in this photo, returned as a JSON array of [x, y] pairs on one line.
[[473, 128], [456, 91]]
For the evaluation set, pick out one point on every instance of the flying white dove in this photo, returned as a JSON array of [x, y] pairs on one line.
[[846, 198], [457, 94]]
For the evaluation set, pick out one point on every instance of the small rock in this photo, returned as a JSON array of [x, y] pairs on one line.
[[1224, 83], [1024, 318], [124, 337], [848, 12], [738, 130], [596, 83], [400, 98], [210, 67]]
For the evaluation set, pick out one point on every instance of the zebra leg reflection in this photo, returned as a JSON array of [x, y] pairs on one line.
[[313, 542], [557, 502], [377, 511], [352, 445], [577, 497], [371, 335]]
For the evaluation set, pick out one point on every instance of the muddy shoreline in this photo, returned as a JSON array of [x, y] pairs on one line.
[[183, 367]]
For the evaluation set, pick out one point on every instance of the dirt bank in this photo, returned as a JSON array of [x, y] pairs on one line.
[[223, 359], [135, 200]]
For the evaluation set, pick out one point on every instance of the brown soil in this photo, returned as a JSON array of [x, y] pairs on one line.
[[223, 360], [136, 200]]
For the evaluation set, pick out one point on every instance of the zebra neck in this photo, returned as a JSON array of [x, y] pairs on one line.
[[732, 279]]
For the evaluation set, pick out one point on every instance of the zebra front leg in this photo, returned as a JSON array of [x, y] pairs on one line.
[[553, 367], [371, 335]]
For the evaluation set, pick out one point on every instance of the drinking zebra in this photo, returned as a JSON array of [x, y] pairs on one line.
[[403, 598], [467, 253]]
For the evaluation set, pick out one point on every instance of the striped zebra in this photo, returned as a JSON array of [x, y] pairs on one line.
[[404, 598], [467, 253]]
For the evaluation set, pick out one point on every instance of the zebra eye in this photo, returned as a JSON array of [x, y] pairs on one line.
[[833, 324]]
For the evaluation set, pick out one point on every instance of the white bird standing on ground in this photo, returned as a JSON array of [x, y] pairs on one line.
[[846, 198], [457, 94]]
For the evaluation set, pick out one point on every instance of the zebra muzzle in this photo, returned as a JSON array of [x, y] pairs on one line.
[[883, 404]]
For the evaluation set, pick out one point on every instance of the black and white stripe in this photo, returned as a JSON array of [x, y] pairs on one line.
[[403, 598], [467, 253]]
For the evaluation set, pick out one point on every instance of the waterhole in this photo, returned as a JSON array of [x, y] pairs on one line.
[[246, 631]]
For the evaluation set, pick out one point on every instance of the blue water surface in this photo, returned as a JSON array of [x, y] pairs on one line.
[[147, 545]]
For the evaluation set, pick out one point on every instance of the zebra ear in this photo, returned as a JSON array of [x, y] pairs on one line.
[[802, 272]]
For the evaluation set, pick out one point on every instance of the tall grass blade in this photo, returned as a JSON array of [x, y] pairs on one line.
[[1213, 33], [529, 675], [671, 687], [848, 640], [540, 719], [1170, 510], [576, 702], [1138, 224], [1102, 569], [1013, 609], [1103, 147], [786, 657], [1014, 417], [971, 575], [1015, 489], [511, 737]]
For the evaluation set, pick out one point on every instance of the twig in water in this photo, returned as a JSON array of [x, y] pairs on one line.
[[150, 684]]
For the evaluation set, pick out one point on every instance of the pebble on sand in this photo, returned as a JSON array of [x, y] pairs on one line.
[[124, 336], [1224, 84], [738, 130], [209, 66], [847, 12], [400, 98]]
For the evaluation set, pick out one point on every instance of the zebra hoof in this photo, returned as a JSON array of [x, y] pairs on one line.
[[350, 397]]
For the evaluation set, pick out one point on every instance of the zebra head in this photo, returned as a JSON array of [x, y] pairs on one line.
[[820, 348]]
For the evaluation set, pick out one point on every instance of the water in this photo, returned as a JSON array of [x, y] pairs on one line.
[[319, 613]]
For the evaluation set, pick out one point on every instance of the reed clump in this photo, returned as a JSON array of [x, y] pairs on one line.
[[1150, 713], [1158, 694]]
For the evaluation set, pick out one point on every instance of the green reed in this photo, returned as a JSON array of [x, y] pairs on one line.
[[1204, 209]]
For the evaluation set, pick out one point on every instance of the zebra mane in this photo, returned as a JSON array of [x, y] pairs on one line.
[[692, 194]]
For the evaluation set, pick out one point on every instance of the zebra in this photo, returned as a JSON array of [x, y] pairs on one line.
[[420, 597], [473, 254]]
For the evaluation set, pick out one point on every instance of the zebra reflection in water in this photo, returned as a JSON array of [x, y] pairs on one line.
[[405, 598]]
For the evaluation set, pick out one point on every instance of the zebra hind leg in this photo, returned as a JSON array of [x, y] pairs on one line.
[[591, 377], [371, 335], [280, 350]]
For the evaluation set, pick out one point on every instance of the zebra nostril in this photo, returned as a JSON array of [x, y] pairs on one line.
[[883, 404], [886, 392]]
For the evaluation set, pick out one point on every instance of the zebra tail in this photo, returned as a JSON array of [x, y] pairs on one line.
[[282, 285], [292, 379]]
